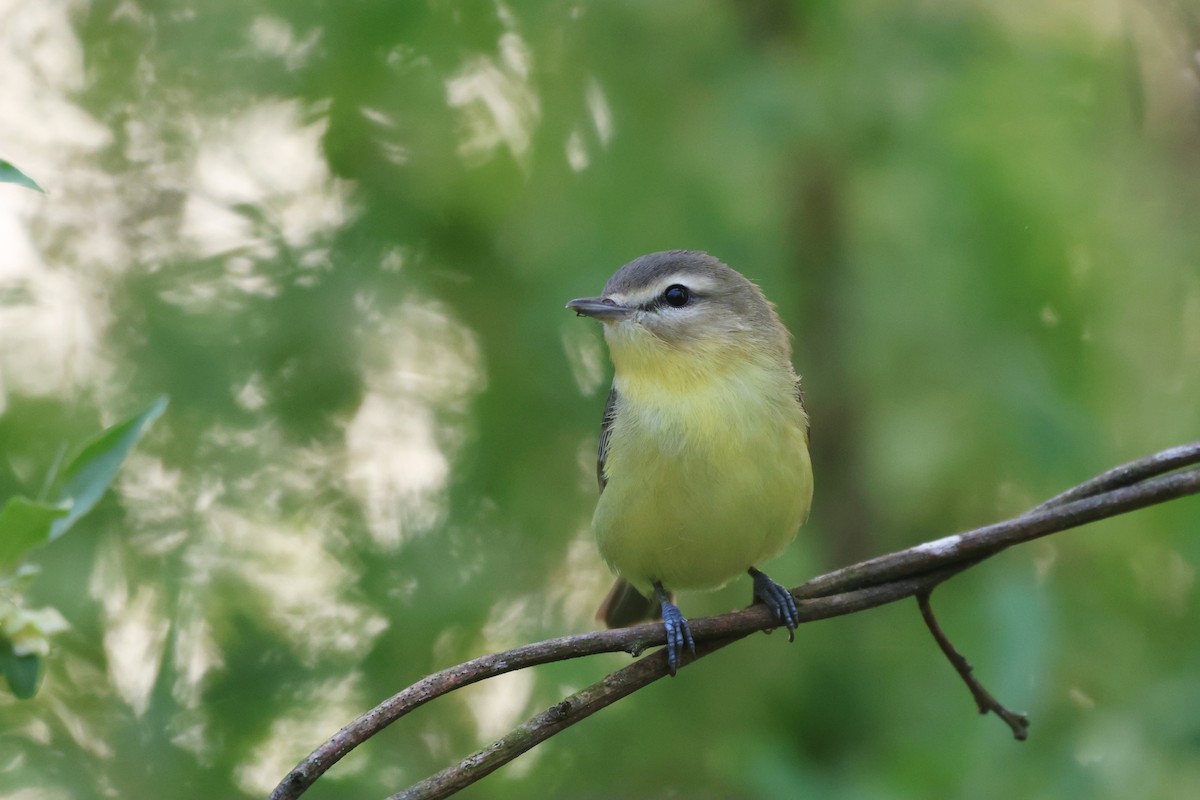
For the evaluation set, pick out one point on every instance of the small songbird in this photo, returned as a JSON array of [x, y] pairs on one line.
[[703, 466]]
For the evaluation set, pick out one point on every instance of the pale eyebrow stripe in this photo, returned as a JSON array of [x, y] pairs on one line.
[[700, 284]]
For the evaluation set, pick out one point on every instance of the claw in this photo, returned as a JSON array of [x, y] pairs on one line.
[[679, 634], [778, 599]]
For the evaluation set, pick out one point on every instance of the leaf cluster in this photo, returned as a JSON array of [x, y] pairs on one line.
[[26, 524]]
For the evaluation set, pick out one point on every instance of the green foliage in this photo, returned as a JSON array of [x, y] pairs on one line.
[[340, 237], [23, 673], [24, 525], [27, 524], [88, 475], [10, 174]]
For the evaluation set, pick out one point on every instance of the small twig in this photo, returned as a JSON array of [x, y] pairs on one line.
[[1019, 723], [897, 575]]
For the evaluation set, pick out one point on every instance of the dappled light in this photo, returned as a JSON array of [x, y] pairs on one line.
[[340, 697], [420, 368], [266, 160], [340, 240], [136, 627], [497, 105]]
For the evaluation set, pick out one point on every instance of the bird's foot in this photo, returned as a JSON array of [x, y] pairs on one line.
[[678, 632], [778, 599]]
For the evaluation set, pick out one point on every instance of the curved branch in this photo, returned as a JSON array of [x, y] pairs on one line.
[[870, 583], [980, 543], [717, 632], [1160, 463]]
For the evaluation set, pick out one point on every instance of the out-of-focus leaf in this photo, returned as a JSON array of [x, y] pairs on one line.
[[10, 174], [24, 525], [89, 474], [23, 673], [28, 630], [19, 581]]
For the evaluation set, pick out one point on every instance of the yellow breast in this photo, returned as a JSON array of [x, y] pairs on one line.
[[705, 479]]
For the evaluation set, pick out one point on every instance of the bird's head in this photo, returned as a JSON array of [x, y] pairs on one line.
[[684, 310]]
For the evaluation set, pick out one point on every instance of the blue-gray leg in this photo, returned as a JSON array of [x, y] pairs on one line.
[[678, 632], [778, 599]]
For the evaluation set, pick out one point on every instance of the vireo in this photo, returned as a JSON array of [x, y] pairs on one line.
[[703, 466]]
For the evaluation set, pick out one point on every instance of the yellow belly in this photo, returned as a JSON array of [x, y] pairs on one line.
[[702, 487]]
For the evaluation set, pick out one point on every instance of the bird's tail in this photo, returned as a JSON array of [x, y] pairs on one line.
[[625, 605]]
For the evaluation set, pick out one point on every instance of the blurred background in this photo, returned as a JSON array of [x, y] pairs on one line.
[[340, 237]]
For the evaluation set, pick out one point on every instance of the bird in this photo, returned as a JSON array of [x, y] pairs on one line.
[[703, 461]]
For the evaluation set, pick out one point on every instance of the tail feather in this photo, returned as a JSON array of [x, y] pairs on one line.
[[626, 606]]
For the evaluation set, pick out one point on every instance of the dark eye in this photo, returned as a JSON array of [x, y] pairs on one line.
[[677, 295]]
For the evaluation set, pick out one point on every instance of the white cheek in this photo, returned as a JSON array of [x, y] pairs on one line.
[[626, 332], [630, 339]]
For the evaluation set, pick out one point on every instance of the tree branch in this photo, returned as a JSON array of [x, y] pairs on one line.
[[717, 632], [868, 584], [1019, 723]]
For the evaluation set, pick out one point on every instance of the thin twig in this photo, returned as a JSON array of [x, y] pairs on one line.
[[1126, 488], [1019, 723]]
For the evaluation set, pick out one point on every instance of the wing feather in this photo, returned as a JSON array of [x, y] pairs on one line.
[[807, 423], [606, 425]]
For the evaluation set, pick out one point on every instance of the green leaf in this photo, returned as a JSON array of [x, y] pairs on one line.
[[89, 474], [24, 525], [23, 673], [17, 582], [10, 174], [28, 630]]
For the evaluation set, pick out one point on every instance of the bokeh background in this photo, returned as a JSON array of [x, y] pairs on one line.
[[340, 237]]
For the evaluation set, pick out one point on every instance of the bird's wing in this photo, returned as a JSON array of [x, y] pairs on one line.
[[606, 425], [624, 604], [807, 423]]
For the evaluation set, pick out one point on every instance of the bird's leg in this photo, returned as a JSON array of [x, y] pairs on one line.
[[678, 632], [778, 599]]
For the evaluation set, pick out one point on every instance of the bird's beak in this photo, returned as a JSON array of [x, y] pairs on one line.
[[600, 308]]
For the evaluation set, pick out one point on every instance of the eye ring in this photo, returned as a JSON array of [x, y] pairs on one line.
[[677, 295]]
